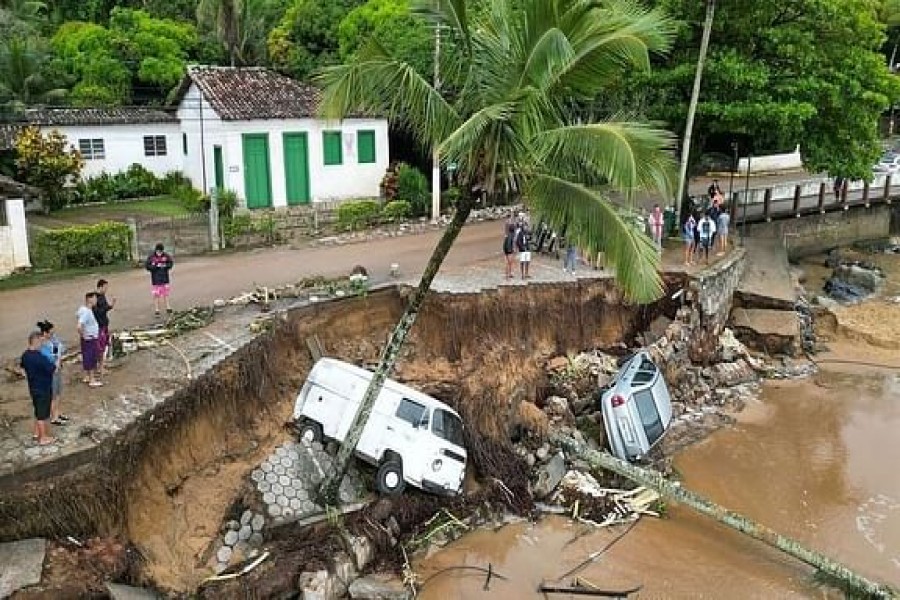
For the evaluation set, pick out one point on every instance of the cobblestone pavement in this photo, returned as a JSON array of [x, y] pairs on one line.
[[286, 483]]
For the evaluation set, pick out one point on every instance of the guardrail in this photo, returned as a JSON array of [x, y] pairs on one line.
[[763, 205]]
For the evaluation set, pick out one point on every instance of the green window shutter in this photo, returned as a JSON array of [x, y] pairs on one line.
[[365, 146], [331, 143]]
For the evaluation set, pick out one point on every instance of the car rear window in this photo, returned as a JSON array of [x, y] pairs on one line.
[[650, 419], [448, 426]]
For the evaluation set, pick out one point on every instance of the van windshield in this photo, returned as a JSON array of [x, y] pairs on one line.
[[448, 426], [650, 419]]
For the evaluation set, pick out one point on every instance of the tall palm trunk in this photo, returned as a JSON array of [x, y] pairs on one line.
[[692, 108], [328, 493], [672, 491]]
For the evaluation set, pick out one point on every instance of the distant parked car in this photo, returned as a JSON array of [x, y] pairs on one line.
[[888, 165], [637, 408]]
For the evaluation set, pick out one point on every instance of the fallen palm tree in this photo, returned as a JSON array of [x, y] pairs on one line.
[[137, 338], [673, 491]]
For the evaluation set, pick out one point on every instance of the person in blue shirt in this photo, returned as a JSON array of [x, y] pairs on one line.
[[54, 349], [39, 373]]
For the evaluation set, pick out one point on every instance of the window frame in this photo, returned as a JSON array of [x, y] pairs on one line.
[[369, 134], [335, 139], [158, 146], [407, 418], [96, 148]]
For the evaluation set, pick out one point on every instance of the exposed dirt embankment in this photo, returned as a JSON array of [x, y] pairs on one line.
[[167, 481]]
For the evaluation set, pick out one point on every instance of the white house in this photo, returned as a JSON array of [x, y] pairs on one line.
[[251, 130], [112, 139], [13, 228]]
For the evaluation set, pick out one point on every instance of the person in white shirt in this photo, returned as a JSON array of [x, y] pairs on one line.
[[707, 230], [89, 333]]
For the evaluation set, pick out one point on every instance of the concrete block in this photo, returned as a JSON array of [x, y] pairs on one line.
[[256, 539], [290, 492], [284, 480], [246, 517], [266, 467], [258, 522], [272, 477], [117, 591], [279, 470], [283, 501], [258, 475], [231, 538], [264, 486], [269, 498], [21, 564], [224, 554], [377, 588], [245, 532], [287, 462], [274, 510], [277, 489]]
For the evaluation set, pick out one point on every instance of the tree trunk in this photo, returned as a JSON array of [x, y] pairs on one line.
[[692, 107], [328, 493], [655, 481]]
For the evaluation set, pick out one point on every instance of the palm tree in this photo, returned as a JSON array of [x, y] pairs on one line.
[[512, 123], [692, 107], [21, 79], [240, 25]]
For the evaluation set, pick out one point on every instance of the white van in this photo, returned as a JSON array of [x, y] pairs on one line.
[[411, 437], [637, 409]]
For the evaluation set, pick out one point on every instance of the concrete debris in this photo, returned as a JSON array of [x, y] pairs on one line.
[[549, 475], [377, 588], [361, 549], [21, 564], [117, 591]]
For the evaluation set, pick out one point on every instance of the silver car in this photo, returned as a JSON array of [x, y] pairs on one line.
[[637, 409]]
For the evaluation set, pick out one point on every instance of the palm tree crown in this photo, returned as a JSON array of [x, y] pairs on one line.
[[514, 118]]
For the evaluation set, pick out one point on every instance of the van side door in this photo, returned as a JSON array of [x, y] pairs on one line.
[[404, 435]]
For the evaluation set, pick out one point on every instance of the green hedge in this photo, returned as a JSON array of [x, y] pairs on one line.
[[86, 246], [360, 212], [396, 210]]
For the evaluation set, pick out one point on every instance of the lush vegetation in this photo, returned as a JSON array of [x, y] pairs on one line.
[[809, 72], [82, 246]]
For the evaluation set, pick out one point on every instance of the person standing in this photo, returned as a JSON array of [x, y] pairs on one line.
[[722, 230], [159, 264], [88, 332], [707, 229], [509, 247], [688, 230], [53, 349], [522, 235], [714, 211], [657, 223], [571, 256], [713, 190], [101, 313], [39, 373]]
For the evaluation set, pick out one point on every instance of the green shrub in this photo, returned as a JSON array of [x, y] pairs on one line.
[[412, 187], [266, 227], [172, 181], [450, 198], [83, 246], [228, 201], [396, 210], [236, 226], [191, 199], [357, 213], [135, 182]]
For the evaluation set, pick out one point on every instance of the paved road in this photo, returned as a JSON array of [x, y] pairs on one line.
[[200, 280]]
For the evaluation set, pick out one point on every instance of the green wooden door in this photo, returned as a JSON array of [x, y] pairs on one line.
[[219, 168], [296, 168], [257, 172]]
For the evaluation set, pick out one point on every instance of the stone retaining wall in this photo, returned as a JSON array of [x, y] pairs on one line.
[[708, 300]]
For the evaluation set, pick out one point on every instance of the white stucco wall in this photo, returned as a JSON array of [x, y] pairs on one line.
[[327, 182], [14, 238], [772, 163], [124, 146]]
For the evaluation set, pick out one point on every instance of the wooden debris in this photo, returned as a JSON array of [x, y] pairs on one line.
[[580, 590]]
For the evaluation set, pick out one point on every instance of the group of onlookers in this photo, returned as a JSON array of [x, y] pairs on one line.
[[42, 361], [705, 230], [516, 241]]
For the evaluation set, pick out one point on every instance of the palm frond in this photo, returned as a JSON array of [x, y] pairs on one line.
[[629, 157], [459, 145], [375, 83], [595, 225]]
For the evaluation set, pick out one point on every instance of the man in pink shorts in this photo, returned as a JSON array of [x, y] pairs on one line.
[[159, 264]]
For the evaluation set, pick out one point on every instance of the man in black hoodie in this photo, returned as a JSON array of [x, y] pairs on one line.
[[159, 264]]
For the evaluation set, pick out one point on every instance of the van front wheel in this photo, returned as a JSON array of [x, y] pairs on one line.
[[389, 479], [310, 432]]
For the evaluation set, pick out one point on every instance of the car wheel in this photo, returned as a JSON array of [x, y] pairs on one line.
[[310, 432], [389, 480]]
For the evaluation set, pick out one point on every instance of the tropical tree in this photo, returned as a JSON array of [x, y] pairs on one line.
[[22, 76], [513, 123], [47, 162], [240, 26], [692, 107]]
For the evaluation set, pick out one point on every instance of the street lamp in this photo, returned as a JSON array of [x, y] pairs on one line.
[[734, 165], [746, 197]]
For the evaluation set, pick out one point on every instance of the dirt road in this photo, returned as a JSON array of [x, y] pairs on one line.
[[200, 280]]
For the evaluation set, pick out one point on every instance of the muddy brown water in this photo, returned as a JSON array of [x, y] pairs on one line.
[[814, 459]]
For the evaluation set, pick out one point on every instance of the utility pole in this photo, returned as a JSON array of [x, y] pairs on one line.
[[435, 158], [692, 107]]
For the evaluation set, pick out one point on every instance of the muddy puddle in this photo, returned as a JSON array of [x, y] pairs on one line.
[[814, 459]]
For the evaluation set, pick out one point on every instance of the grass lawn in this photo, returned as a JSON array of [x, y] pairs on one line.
[[163, 206], [40, 276]]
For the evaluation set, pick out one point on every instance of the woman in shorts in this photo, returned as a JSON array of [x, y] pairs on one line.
[[688, 231]]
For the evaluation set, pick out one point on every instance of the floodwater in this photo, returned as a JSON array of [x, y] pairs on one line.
[[815, 459]]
